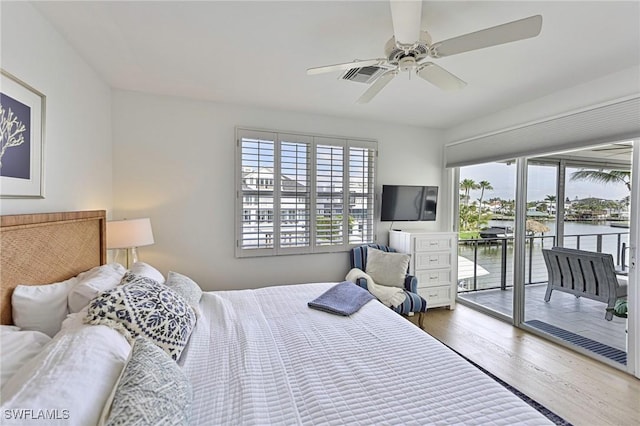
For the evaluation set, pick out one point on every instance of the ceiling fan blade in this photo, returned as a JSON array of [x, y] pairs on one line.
[[345, 66], [377, 86], [440, 77], [407, 18], [505, 33]]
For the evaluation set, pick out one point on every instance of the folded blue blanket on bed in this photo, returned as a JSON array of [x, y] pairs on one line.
[[345, 299]]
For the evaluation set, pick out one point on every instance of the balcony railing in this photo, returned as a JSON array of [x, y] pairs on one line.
[[493, 257]]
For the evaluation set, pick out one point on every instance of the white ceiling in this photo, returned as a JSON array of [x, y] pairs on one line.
[[257, 53]]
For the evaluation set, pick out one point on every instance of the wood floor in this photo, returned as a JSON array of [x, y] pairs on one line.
[[581, 390]]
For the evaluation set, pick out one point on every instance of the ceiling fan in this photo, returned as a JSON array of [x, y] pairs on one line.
[[410, 49]]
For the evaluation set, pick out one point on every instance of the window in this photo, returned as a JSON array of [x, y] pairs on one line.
[[306, 194]]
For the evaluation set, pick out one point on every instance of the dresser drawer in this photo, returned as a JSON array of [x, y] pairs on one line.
[[434, 278], [431, 261], [436, 296], [432, 243]]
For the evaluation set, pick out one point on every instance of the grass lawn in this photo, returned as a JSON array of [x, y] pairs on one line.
[[468, 235]]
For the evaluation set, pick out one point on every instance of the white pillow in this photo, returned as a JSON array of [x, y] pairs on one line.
[[41, 307], [74, 321], [73, 377], [93, 282], [388, 269], [186, 288], [18, 347], [146, 270]]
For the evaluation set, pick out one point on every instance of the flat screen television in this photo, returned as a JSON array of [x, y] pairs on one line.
[[408, 203]]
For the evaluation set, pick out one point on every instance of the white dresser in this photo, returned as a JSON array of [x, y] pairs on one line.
[[434, 261]]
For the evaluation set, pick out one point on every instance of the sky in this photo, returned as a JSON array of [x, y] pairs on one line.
[[541, 182]]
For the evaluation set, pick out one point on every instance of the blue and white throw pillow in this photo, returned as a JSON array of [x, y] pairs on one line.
[[141, 306], [152, 390]]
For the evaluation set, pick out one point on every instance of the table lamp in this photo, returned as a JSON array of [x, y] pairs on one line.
[[129, 235]]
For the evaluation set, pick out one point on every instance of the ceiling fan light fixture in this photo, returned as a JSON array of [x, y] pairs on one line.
[[407, 63]]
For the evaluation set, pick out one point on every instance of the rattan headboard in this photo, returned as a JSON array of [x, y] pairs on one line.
[[46, 248]]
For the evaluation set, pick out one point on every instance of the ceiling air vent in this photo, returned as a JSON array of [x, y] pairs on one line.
[[364, 74]]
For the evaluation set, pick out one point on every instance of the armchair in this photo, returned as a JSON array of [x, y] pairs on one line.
[[412, 303]]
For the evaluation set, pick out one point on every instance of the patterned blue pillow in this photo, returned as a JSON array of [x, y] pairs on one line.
[[141, 306], [152, 390]]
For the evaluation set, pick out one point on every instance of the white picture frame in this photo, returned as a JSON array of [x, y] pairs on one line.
[[22, 123]]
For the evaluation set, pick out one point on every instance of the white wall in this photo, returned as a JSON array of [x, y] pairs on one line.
[[78, 150], [174, 163]]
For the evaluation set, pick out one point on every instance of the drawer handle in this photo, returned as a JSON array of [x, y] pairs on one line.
[[433, 243], [433, 277]]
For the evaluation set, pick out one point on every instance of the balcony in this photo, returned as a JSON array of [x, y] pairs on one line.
[[486, 272]]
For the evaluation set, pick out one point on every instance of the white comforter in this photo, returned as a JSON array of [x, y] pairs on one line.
[[263, 357]]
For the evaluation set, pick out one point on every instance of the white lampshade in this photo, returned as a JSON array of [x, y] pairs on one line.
[[129, 233]]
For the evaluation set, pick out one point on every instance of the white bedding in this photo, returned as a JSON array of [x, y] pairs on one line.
[[263, 357]]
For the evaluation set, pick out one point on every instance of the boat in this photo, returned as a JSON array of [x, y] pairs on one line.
[[497, 232], [619, 224]]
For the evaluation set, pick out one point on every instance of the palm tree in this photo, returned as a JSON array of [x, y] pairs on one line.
[[467, 185], [551, 199], [624, 204], [604, 176], [483, 185]]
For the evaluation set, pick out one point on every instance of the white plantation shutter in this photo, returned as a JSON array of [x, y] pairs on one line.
[[302, 193], [257, 154], [361, 192], [330, 174], [295, 191]]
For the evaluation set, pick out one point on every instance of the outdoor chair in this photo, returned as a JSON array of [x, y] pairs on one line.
[[584, 274]]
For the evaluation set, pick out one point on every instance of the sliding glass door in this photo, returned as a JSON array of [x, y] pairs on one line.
[[486, 224], [594, 217], [510, 212]]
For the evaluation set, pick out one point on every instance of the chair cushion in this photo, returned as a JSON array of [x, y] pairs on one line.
[[388, 269]]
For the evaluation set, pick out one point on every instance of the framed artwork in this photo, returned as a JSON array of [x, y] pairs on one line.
[[22, 118]]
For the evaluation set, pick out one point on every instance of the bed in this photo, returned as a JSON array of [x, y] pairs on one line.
[[259, 356]]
